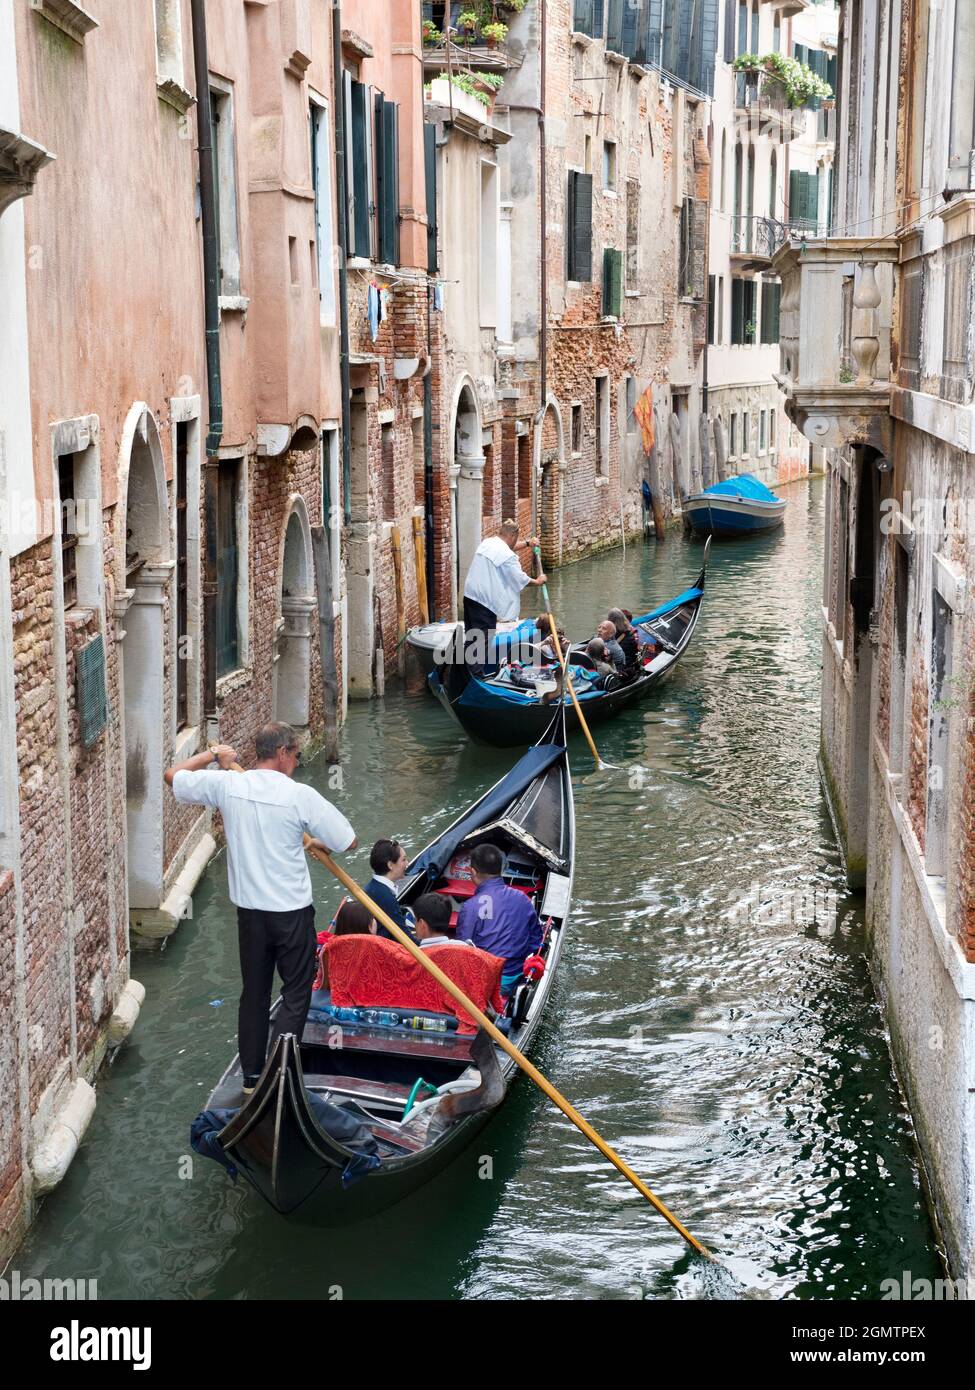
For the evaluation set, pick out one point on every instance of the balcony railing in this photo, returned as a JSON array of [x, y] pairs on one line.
[[834, 335], [758, 237]]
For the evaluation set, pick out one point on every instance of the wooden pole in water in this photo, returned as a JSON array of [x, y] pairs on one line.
[[420, 557], [518, 1057], [326, 641]]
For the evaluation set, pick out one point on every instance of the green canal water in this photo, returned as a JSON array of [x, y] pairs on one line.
[[732, 1051]]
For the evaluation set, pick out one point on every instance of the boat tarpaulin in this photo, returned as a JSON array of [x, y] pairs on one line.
[[437, 856], [745, 485], [687, 596]]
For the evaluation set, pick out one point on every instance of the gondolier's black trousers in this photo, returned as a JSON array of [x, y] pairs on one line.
[[268, 939], [481, 620]]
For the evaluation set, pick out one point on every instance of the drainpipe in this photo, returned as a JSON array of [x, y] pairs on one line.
[[338, 105], [211, 291]]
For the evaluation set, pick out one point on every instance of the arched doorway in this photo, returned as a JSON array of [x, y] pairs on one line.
[[550, 467], [467, 481], [292, 647], [143, 572]]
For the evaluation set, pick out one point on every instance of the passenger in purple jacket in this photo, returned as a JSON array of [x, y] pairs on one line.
[[498, 918]]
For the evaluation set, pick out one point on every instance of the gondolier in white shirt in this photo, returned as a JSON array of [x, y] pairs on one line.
[[266, 815], [492, 591]]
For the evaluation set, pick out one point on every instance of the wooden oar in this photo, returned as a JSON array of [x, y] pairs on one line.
[[564, 663], [522, 1061]]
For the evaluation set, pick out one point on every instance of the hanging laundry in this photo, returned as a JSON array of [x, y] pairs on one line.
[[373, 310], [643, 410]]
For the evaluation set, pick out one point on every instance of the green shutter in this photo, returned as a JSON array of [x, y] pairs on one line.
[[614, 28], [360, 172], [90, 693], [771, 294], [711, 282], [579, 224], [430, 175], [737, 311], [582, 17], [387, 178], [612, 283]]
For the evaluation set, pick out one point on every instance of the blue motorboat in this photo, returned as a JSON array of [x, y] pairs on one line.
[[741, 506]]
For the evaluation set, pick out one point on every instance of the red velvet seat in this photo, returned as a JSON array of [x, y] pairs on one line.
[[458, 888]]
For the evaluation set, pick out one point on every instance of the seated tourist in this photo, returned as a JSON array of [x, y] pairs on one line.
[[498, 918], [432, 914], [352, 917], [600, 657], [625, 636], [606, 631], [388, 861], [548, 648]]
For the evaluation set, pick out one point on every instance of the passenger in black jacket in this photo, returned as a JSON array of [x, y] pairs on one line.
[[388, 863]]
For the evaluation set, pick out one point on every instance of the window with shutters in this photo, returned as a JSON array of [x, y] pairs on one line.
[[321, 179], [602, 424], [579, 226], [228, 566], [632, 234], [360, 173], [430, 181], [771, 295], [91, 694], [576, 427], [612, 283], [743, 327], [225, 182], [803, 200], [386, 144], [609, 166], [69, 530], [589, 17]]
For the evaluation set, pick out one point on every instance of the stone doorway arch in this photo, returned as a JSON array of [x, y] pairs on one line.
[[143, 576], [293, 631], [550, 467], [466, 482]]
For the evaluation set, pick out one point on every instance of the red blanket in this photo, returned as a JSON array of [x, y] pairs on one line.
[[372, 972]]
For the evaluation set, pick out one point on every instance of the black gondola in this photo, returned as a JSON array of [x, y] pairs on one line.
[[497, 711], [283, 1137]]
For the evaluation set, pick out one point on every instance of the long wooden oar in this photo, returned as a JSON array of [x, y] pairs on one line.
[[564, 663], [527, 1067]]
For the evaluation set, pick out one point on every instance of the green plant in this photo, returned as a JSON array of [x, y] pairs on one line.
[[473, 83], [798, 81], [494, 33]]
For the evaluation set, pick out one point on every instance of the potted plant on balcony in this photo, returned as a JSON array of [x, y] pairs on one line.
[[432, 36], [494, 34], [785, 80], [467, 23]]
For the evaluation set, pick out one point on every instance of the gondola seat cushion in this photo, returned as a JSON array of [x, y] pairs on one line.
[[371, 972]]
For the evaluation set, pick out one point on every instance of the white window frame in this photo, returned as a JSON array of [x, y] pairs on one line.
[[325, 243], [227, 192]]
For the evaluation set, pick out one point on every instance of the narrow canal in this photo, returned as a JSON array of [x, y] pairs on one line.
[[715, 1020]]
